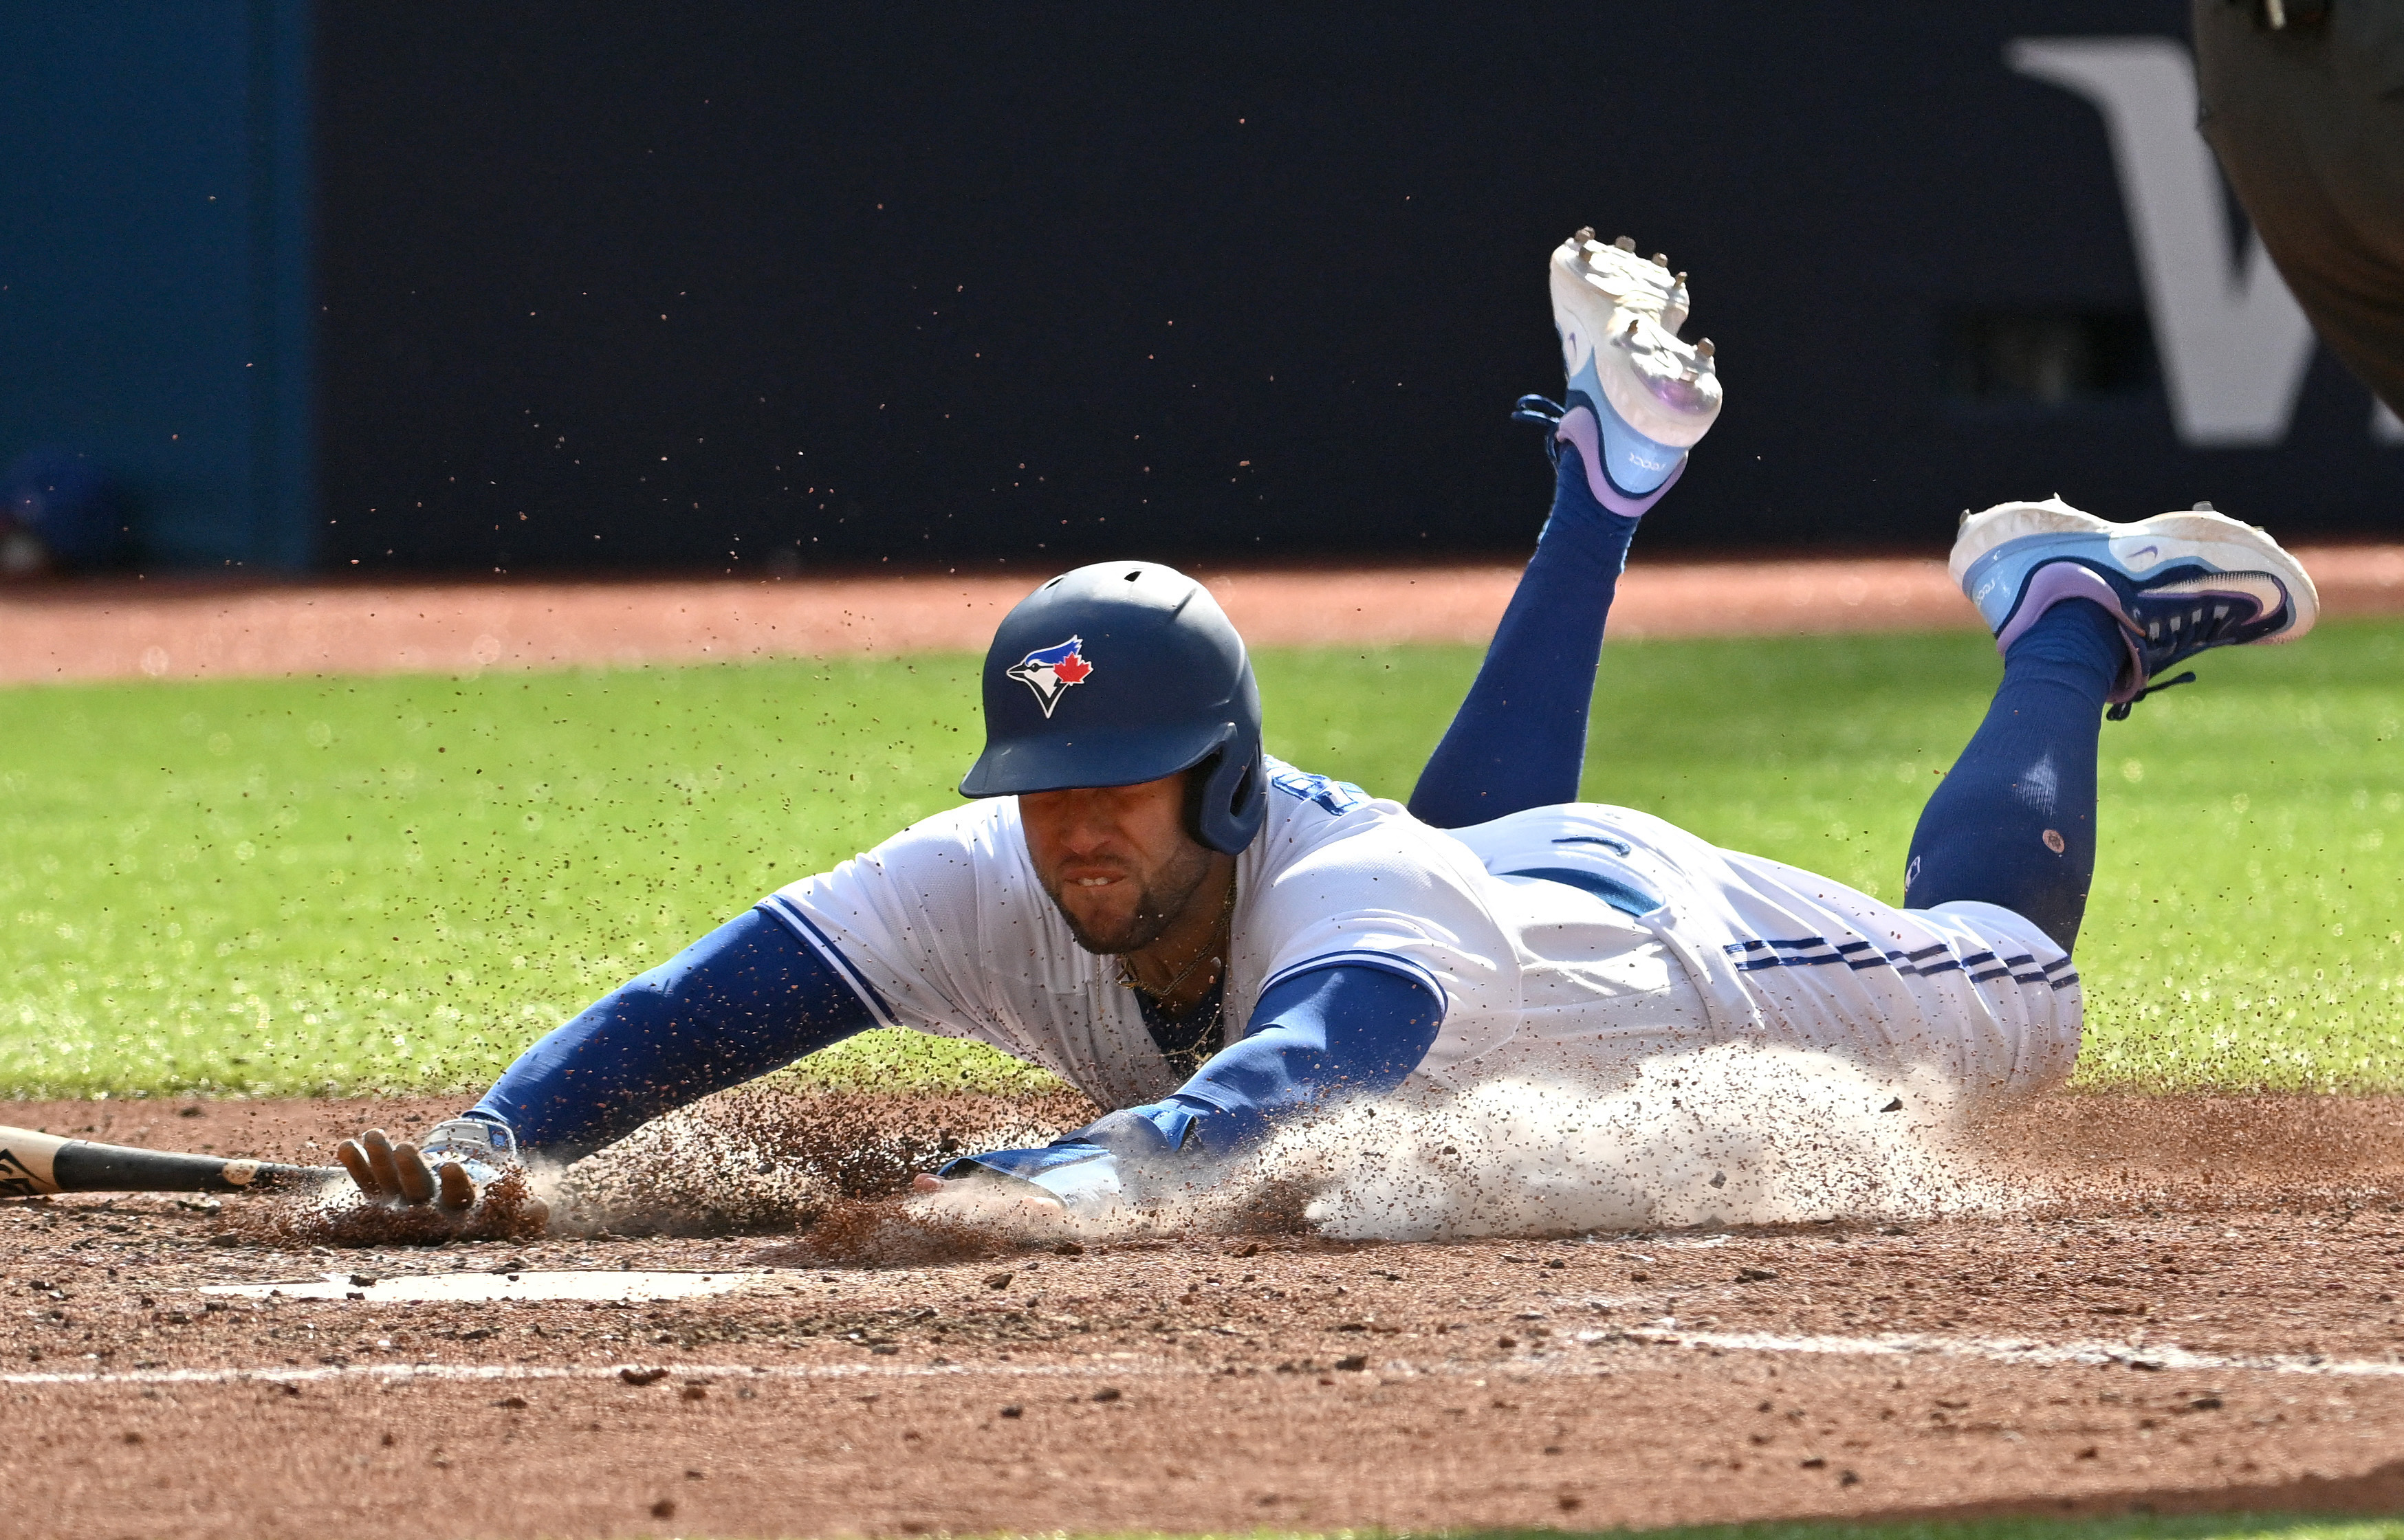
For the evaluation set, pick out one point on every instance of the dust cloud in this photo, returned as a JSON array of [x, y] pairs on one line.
[[1733, 1134]]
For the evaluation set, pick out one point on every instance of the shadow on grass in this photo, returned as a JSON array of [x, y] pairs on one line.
[[2311, 1507]]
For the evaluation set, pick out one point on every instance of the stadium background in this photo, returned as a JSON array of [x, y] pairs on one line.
[[425, 294], [759, 288]]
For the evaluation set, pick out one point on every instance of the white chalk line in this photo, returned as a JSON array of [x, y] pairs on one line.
[[629, 1287], [289, 1374], [2009, 1351]]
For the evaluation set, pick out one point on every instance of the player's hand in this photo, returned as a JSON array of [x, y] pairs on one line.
[[448, 1172], [399, 1175], [1006, 1200], [1087, 1185]]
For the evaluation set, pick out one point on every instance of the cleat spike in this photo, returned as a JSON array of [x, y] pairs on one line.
[[1625, 242]]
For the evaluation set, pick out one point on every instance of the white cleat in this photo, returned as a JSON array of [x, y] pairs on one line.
[[1618, 316], [2178, 583]]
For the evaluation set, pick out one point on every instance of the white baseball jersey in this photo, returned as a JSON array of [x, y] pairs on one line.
[[944, 928]]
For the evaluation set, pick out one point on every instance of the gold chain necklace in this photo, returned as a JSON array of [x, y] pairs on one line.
[[1209, 953]]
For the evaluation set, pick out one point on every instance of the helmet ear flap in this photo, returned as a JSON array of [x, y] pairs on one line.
[[1224, 801]]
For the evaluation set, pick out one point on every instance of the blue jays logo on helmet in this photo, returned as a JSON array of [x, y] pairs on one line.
[[1050, 671]]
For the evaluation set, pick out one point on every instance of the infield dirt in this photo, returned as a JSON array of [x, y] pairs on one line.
[[187, 628], [2196, 1310]]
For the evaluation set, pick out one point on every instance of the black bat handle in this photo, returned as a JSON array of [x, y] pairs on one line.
[[34, 1163]]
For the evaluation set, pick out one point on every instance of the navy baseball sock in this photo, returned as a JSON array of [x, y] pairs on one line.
[[1518, 741], [2014, 822]]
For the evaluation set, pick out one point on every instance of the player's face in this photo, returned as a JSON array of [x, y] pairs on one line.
[[1117, 860]]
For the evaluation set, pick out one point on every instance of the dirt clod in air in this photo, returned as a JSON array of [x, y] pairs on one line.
[[756, 1160], [337, 1215], [760, 1160]]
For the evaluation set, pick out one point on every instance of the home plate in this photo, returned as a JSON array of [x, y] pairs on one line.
[[467, 1287]]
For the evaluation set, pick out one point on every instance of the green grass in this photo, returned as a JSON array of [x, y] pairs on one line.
[[2142, 1527], [297, 885]]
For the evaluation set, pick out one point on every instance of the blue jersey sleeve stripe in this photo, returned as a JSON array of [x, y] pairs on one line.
[[785, 912], [1416, 972]]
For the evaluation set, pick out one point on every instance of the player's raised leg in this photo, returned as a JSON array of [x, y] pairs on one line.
[[2087, 612], [1638, 399]]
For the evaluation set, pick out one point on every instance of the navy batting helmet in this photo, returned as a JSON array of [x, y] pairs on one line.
[[1121, 673]]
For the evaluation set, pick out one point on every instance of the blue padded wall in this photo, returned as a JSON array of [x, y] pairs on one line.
[[156, 266]]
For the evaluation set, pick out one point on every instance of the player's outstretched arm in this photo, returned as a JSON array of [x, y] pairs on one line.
[[748, 998], [1320, 1037]]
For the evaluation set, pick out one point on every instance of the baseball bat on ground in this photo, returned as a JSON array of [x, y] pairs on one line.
[[33, 1164]]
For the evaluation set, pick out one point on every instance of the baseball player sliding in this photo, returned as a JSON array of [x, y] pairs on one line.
[[1215, 943]]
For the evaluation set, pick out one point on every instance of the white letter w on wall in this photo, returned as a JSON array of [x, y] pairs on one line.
[[2233, 341]]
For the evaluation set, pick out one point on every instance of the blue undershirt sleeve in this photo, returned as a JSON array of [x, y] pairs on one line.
[[748, 998], [1341, 1031]]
